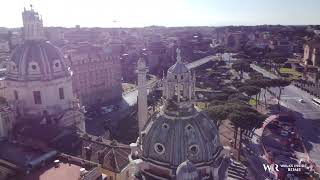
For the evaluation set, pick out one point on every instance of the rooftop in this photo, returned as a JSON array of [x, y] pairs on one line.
[[18, 154], [32, 164], [111, 155], [54, 172], [65, 167]]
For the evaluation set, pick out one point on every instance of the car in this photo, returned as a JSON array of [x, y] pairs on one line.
[[301, 100]]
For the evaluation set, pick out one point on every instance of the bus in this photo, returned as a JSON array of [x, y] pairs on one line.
[[316, 101]]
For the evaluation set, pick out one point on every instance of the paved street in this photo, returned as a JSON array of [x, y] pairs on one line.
[[95, 126], [307, 113]]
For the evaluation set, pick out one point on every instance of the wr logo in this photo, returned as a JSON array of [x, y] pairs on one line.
[[272, 167]]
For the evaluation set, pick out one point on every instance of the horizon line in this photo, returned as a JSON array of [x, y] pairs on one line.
[[128, 27]]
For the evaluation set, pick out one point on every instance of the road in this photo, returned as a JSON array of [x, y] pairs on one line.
[[95, 126], [307, 115]]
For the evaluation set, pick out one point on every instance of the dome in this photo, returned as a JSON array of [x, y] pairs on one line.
[[169, 140], [36, 60], [187, 171], [178, 68]]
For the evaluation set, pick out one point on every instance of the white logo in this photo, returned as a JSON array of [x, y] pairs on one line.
[[271, 167]]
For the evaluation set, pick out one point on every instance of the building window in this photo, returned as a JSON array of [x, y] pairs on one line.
[[159, 148], [61, 93], [181, 76], [34, 67], [175, 77], [37, 97], [194, 149], [16, 97]]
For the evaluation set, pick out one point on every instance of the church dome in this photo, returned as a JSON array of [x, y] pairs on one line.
[[36, 60], [173, 137], [187, 171]]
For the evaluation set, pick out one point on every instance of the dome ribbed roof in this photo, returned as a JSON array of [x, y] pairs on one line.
[[169, 142], [37, 60]]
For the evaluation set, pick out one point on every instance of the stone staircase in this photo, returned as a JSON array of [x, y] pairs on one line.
[[236, 171]]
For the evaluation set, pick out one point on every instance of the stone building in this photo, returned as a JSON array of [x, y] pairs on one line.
[[312, 53], [179, 142], [38, 82], [96, 74], [7, 119]]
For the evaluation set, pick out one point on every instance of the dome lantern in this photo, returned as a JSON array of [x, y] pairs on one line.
[[179, 84], [32, 25]]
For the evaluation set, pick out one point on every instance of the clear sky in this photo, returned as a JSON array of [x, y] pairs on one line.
[[137, 13]]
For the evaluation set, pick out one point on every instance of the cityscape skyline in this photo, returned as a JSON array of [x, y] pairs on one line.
[[143, 13], [155, 103]]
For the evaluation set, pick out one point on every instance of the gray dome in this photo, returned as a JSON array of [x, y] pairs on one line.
[[36, 60], [170, 141], [178, 68], [187, 171]]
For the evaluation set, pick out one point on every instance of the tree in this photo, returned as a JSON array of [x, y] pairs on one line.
[[238, 97], [232, 107], [245, 121], [263, 83], [241, 66], [250, 91], [218, 114], [280, 83], [278, 61]]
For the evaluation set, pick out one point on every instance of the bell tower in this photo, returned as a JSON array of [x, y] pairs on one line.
[[32, 25]]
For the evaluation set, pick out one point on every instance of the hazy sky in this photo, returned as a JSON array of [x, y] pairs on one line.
[[137, 13]]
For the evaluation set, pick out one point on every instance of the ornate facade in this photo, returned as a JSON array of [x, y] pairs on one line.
[[312, 53]]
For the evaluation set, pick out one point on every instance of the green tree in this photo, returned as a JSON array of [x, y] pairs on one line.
[[278, 62], [263, 83], [242, 66], [280, 83], [245, 121], [217, 114], [238, 97], [251, 91]]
